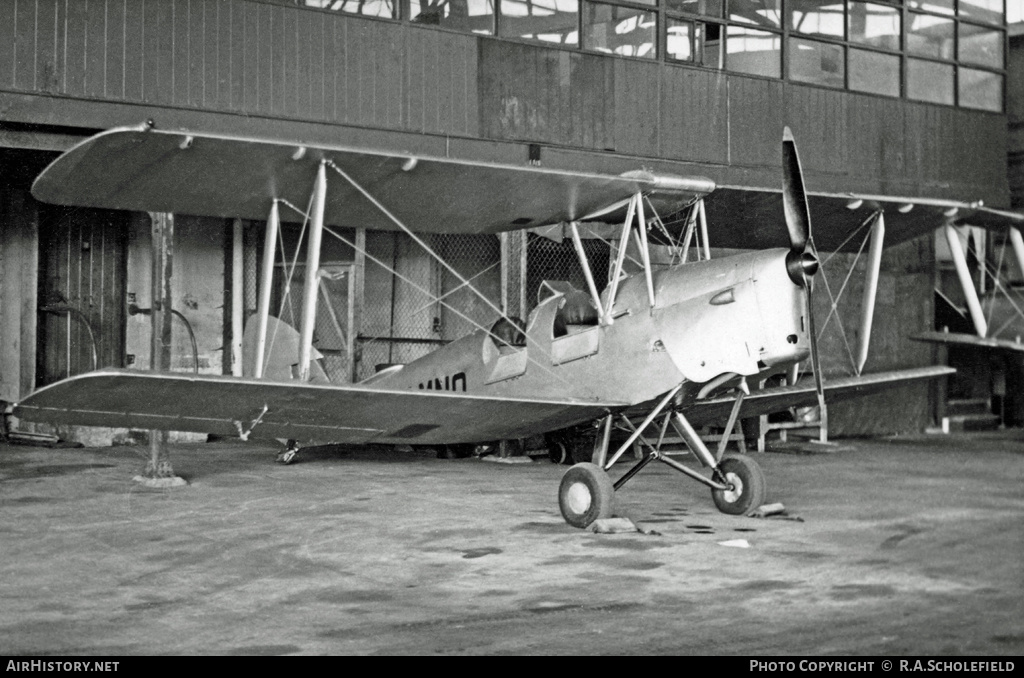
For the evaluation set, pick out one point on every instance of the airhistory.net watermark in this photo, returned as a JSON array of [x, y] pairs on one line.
[[66, 667]]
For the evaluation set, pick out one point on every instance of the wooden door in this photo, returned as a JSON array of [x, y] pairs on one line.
[[82, 308]]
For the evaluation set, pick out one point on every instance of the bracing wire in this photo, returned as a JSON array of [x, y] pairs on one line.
[[1009, 293], [842, 330], [835, 310], [441, 301], [286, 297], [419, 241]]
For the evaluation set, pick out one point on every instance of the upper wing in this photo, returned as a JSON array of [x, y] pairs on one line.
[[803, 394], [974, 340], [153, 170], [753, 219], [343, 414]]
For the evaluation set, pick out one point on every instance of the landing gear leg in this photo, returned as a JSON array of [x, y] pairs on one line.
[[288, 455], [737, 484]]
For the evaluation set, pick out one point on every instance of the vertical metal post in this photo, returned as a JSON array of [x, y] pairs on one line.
[[1018, 246], [512, 245], [601, 454], [704, 230], [524, 246], [237, 295], [356, 307], [266, 281], [691, 224], [586, 269], [870, 289], [645, 252], [505, 263], [966, 282], [162, 250], [620, 257], [309, 290]]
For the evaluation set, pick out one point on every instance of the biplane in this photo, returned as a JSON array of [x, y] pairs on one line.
[[655, 348]]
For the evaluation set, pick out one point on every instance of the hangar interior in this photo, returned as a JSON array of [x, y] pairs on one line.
[[918, 98]]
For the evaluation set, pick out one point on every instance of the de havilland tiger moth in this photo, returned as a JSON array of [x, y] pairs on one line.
[[664, 346]]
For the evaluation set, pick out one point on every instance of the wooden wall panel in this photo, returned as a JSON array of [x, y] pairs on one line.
[[317, 69], [45, 58], [134, 47], [265, 64], [24, 45], [356, 61], [915, 153], [505, 76], [756, 118], [637, 107], [181, 51], [75, 48], [236, 54], [590, 110], [286, 51], [534, 93], [8, 43], [440, 82], [195, 55], [817, 117], [422, 102], [114, 39], [694, 117], [336, 75], [304, 55], [95, 48], [878, 129], [247, 30], [222, 40], [164, 51], [380, 80], [345, 64], [148, 49]]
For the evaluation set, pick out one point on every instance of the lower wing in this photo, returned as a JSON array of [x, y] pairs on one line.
[[973, 340], [780, 398], [343, 414]]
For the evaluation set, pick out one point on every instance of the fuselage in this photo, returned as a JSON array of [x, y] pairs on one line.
[[738, 315]]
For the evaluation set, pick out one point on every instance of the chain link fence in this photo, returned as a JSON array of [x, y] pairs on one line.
[[412, 303], [547, 259], [415, 304]]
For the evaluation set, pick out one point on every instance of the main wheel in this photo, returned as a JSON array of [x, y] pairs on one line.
[[748, 486], [585, 495], [558, 451]]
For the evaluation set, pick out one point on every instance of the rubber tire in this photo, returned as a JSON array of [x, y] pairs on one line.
[[586, 494], [558, 451], [747, 475]]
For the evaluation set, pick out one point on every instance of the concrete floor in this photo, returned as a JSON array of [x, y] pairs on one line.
[[907, 546]]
